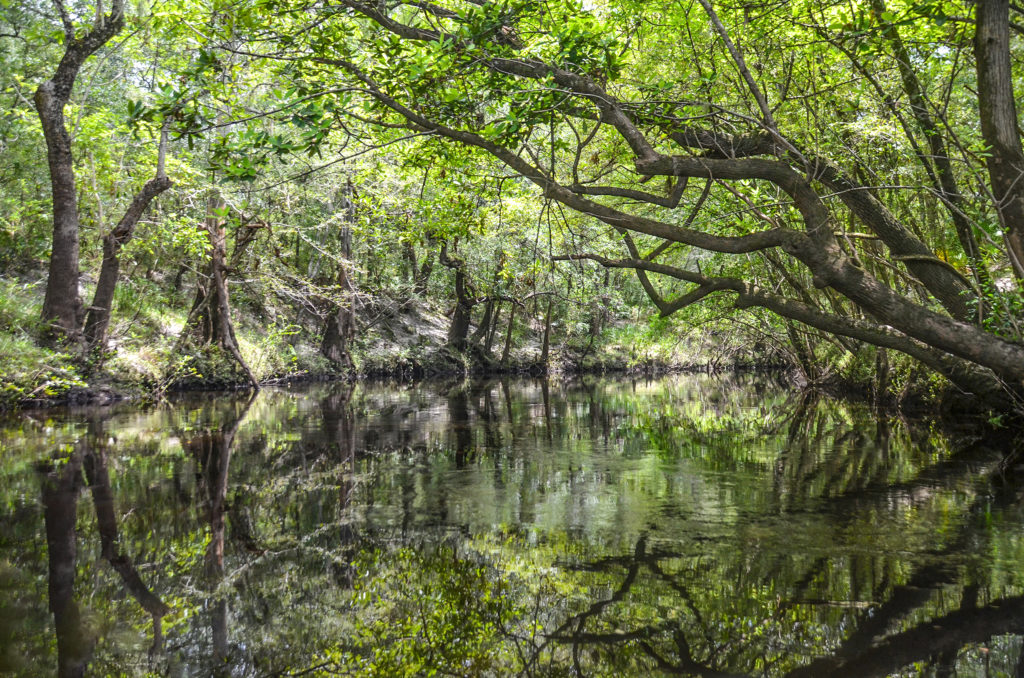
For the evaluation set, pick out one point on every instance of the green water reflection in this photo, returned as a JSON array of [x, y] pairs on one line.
[[694, 525]]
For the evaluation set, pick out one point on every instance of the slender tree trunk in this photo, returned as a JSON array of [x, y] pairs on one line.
[[98, 319], [506, 352], [423, 277], [547, 333], [485, 323], [999, 123], [179, 277], [493, 329], [409, 253], [458, 331], [943, 177], [340, 327], [804, 360]]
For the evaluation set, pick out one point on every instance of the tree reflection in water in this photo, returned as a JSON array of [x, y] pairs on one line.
[[692, 526], [61, 488]]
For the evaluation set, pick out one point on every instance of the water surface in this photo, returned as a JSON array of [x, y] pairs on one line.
[[693, 525]]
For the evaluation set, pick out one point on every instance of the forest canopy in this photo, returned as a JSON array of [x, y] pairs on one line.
[[839, 181]]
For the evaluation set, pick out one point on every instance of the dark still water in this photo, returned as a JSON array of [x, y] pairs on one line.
[[704, 526]]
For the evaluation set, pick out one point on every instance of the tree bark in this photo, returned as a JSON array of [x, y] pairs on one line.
[[506, 352], [547, 334], [423, 277], [62, 303], [480, 334], [458, 330], [98, 318], [966, 375], [211, 311], [998, 114], [485, 322], [340, 326], [493, 329]]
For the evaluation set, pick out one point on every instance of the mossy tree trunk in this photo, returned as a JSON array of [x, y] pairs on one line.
[[211, 311], [465, 300]]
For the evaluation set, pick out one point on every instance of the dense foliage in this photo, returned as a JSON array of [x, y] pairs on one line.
[[829, 184]]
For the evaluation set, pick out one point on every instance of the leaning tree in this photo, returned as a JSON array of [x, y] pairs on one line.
[[854, 167], [85, 32]]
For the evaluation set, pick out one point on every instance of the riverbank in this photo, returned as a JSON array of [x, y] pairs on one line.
[[148, 357], [149, 353]]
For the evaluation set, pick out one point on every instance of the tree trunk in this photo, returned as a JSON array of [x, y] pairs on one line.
[[98, 319], [409, 253], [458, 331], [212, 307], [62, 304], [999, 123], [340, 327], [508, 336], [423, 277], [485, 323], [493, 329], [547, 334]]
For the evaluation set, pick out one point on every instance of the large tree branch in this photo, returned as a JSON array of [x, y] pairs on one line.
[[947, 287], [728, 244], [970, 378], [98, 318], [821, 254], [671, 201]]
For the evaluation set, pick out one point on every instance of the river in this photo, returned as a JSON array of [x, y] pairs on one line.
[[690, 525]]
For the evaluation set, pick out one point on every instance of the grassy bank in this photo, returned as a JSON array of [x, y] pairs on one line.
[[148, 356]]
